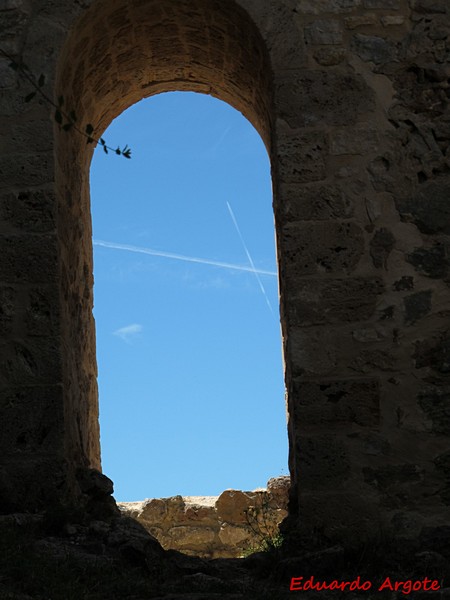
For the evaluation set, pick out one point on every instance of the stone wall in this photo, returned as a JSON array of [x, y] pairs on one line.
[[351, 98], [225, 526]]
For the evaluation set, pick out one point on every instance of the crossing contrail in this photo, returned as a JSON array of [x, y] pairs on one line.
[[191, 259], [253, 268]]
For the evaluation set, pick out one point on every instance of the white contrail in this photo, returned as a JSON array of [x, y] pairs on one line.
[[253, 269], [192, 259]]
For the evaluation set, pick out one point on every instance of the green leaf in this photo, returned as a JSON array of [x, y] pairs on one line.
[[118, 151], [89, 128], [58, 116], [105, 149], [127, 153], [60, 101], [102, 142], [67, 126], [41, 80], [89, 140], [30, 96]]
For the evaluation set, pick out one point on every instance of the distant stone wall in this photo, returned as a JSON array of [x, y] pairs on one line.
[[224, 526]]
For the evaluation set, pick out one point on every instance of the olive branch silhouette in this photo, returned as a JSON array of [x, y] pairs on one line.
[[66, 118]]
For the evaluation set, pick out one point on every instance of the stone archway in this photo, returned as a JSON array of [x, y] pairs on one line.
[[359, 147], [200, 46]]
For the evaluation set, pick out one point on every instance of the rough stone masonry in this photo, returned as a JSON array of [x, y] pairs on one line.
[[351, 99]]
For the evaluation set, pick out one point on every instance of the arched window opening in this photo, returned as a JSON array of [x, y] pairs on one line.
[[186, 302]]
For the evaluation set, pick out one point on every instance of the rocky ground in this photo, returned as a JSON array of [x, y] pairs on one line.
[[63, 557]]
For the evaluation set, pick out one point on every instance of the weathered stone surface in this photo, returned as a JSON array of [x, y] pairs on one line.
[[28, 258], [435, 402], [28, 210], [351, 401], [394, 475], [232, 504], [432, 262], [327, 57], [317, 7], [405, 283], [381, 174], [387, 4], [434, 353], [333, 301], [322, 247], [393, 20], [315, 202], [361, 21], [417, 306], [429, 209], [323, 31], [94, 483], [353, 140], [214, 526], [7, 309], [373, 48], [325, 461], [303, 157], [317, 97], [381, 245], [430, 6]]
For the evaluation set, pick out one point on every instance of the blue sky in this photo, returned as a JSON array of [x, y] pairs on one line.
[[186, 302]]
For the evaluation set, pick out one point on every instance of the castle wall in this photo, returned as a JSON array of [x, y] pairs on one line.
[[351, 99]]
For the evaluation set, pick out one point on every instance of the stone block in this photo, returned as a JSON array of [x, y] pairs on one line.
[[321, 247], [382, 4], [325, 462], [429, 208], [30, 259], [312, 352], [405, 283], [29, 210], [191, 537], [315, 302], [232, 504], [361, 21], [7, 75], [435, 403], [392, 476], [318, 7], [230, 535], [24, 170], [381, 245], [382, 174], [439, 7], [324, 31], [153, 512], [339, 514], [354, 401], [42, 312], [330, 56], [315, 202], [434, 353], [302, 158], [392, 20], [36, 362], [32, 420], [353, 141], [417, 306], [312, 98], [371, 48], [370, 361], [8, 295]]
